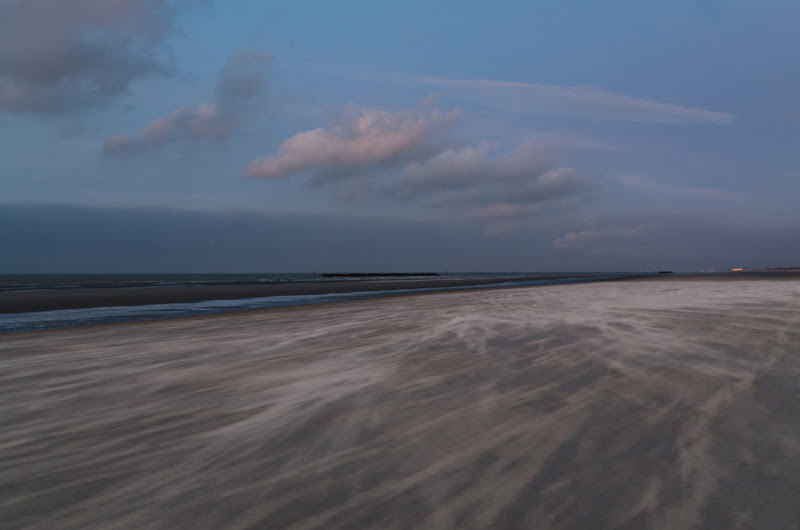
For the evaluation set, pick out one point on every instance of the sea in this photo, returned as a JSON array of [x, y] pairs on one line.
[[66, 318]]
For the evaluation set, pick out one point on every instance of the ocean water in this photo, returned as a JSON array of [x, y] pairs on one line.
[[41, 320], [15, 282]]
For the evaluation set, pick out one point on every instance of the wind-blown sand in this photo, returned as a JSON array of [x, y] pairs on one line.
[[663, 404]]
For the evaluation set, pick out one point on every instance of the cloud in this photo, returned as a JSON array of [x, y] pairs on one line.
[[407, 156], [362, 139], [466, 166], [559, 187], [652, 187], [576, 101], [57, 56], [241, 83], [604, 236], [184, 122], [478, 184]]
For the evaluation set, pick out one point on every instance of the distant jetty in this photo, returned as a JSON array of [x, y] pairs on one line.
[[374, 274]]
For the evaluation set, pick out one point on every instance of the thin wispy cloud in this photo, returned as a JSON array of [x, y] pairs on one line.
[[649, 186], [601, 236], [576, 101], [241, 84]]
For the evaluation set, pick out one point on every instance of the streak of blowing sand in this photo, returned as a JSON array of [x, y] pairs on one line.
[[659, 404]]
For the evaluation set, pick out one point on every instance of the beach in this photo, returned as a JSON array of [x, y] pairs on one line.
[[652, 403]]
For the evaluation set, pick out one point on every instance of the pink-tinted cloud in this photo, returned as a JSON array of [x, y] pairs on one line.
[[576, 101], [241, 83], [184, 122], [409, 156], [363, 138]]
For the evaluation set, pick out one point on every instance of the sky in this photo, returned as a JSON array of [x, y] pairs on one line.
[[244, 136]]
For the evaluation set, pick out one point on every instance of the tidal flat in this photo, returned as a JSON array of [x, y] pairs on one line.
[[658, 403]]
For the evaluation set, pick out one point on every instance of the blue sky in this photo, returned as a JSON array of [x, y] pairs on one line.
[[592, 135]]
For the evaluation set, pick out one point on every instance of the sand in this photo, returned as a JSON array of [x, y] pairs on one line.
[[644, 404]]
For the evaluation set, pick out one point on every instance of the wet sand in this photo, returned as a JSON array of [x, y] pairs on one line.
[[643, 404]]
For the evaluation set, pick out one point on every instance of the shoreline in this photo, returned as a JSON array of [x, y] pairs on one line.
[[14, 302], [29, 301]]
